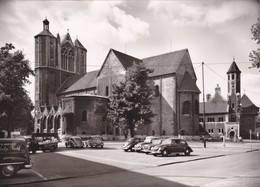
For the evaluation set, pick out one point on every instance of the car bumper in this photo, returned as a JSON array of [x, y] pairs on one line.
[[28, 166], [137, 148]]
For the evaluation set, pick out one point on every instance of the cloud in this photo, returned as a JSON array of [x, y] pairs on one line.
[[201, 13]]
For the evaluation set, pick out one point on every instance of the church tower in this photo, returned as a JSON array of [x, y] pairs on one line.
[[234, 93], [55, 61]]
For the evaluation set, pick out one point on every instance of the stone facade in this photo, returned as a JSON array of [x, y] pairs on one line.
[[70, 100]]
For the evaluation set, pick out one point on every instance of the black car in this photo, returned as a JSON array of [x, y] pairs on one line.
[[130, 143], [14, 156], [172, 145]]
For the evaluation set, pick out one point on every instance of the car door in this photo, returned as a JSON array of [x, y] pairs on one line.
[[179, 146], [172, 147]]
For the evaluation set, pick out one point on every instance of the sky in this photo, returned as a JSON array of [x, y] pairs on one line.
[[214, 31]]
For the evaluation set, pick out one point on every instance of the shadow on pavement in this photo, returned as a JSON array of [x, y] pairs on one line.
[[60, 170]]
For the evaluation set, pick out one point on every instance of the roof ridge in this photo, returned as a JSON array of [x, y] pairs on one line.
[[166, 53]]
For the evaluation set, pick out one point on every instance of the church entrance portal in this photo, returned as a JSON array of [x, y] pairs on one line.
[[232, 134]]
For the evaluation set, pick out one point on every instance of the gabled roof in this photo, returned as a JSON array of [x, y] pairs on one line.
[[45, 33], [68, 82], [124, 59], [188, 84], [165, 63], [84, 82], [78, 44], [246, 102], [233, 68], [67, 38]]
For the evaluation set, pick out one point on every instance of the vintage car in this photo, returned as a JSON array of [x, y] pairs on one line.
[[44, 141], [14, 156], [74, 141], [130, 143], [170, 146], [94, 141], [147, 147], [138, 147]]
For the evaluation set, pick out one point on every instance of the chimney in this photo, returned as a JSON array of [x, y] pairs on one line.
[[218, 90], [208, 97]]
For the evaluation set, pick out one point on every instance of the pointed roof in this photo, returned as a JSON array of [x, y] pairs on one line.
[[67, 38], [45, 33], [246, 102], [188, 84], [78, 44], [233, 68], [124, 59], [165, 63]]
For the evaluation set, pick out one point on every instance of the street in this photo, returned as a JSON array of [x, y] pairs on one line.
[[235, 164]]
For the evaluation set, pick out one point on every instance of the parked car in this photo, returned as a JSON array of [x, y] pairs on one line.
[[130, 143], [211, 138], [138, 147], [147, 147], [44, 141], [14, 156], [172, 145], [95, 141], [74, 141]]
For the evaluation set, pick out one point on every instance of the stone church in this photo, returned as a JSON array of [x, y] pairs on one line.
[[69, 100]]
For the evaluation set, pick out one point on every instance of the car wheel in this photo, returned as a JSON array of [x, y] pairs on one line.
[[101, 146], [8, 170], [33, 151], [52, 149], [66, 145], [164, 153], [43, 150], [187, 152], [155, 155], [72, 145]]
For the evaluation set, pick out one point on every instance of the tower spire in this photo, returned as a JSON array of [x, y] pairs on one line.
[[46, 24]]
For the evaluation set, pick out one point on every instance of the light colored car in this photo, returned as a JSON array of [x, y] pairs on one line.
[[147, 147], [75, 142], [138, 147]]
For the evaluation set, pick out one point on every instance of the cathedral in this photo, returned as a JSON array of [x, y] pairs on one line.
[[71, 101]]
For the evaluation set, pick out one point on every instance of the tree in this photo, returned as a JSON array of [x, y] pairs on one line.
[[130, 104], [255, 54], [15, 105]]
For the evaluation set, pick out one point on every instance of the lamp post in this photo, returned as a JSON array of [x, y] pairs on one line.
[[204, 125]]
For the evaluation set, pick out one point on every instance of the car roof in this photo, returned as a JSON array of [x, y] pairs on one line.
[[12, 139]]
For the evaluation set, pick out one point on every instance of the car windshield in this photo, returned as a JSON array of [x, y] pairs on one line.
[[77, 139], [147, 140], [130, 140], [96, 138], [156, 141], [167, 141]]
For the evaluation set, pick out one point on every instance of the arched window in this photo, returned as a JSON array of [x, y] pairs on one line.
[[84, 116], [186, 108]]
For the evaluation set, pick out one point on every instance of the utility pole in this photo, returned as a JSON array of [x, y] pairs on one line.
[[204, 125]]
